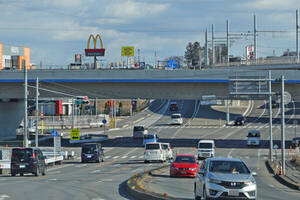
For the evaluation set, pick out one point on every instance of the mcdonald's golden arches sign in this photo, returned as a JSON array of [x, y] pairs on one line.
[[95, 51]]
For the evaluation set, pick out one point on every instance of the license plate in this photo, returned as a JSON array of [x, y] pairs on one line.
[[89, 156], [22, 166], [233, 193]]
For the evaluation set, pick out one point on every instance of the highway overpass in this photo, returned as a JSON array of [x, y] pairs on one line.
[[127, 84]]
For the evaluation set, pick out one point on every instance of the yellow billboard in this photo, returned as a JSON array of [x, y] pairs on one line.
[[127, 51]]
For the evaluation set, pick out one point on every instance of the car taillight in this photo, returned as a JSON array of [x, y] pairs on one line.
[[168, 148], [144, 151], [160, 151], [33, 155]]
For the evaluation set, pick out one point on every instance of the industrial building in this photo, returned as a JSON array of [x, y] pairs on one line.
[[14, 57]]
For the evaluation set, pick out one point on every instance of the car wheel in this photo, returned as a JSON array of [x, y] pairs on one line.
[[44, 171], [21, 174], [195, 192], [162, 161], [146, 161], [13, 174], [97, 161]]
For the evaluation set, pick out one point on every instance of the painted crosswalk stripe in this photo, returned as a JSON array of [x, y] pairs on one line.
[[132, 157], [124, 157], [141, 157], [106, 157], [116, 157]]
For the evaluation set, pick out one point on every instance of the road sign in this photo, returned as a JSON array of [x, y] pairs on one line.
[[127, 51], [172, 64], [142, 65], [104, 121], [75, 134], [42, 114], [54, 133]]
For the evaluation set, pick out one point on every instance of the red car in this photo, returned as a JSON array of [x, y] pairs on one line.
[[184, 165]]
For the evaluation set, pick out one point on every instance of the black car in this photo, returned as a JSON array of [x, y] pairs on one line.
[[240, 121], [173, 107], [27, 160], [92, 152]]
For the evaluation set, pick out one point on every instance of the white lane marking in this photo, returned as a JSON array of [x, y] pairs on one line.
[[136, 121], [97, 199], [4, 196], [52, 169], [124, 157], [95, 171], [116, 165], [271, 185], [125, 126], [229, 154], [116, 157], [53, 179], [129, 152], [54, 172], [79, 166], [104, 180], [132, 157], [137, 170], [106, 157], [141, 157]]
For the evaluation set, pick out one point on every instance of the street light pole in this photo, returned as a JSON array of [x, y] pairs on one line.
[[37, 113], [212, 45], [282, 127], [270, 116], [297, 36], [206, 49], [25, 135], [255, 50], [227, 40]]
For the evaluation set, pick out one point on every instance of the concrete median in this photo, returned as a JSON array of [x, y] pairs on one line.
[[134, 186]]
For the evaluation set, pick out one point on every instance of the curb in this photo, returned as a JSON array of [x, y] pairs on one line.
[[281, 178], [133, 188]]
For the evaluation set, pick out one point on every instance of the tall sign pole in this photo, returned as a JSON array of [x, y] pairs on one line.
[[227, 40], [206, 49], [297, 35], [212, 45], [25, 135], [282, 127], [37, 112], [255, 51], [270, 116]]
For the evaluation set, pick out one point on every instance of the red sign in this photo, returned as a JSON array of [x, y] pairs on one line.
[[94, 52], [42, 114], [59, 109]]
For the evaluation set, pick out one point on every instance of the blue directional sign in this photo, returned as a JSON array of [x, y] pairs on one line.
[[104, 121], [172, 64], [54, 133], [142, 65]]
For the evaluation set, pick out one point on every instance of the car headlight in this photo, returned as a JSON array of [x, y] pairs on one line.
[[214, 181], [192, 169], [250, 182]]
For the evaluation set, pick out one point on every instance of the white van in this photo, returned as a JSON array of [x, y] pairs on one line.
[[253, 138], [154, 152], [206, 149], [168, 151], [176, 119]]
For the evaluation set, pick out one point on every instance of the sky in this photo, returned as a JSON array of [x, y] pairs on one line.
[[56, 30]]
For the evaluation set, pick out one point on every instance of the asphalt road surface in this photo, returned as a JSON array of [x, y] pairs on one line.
[[124, 156]]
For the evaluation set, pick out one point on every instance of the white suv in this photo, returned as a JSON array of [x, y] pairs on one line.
[[176, 119]]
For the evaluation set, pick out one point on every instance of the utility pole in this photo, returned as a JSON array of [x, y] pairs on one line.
[[139, 56], [206, 49], [270, 116], [73, 113], [25, 135], [282, 127], [227, 40], [95, 62], [155, 59], [200, 63], [37, 112], [212, 45], [297, 36], [255, 50], [227, 113]]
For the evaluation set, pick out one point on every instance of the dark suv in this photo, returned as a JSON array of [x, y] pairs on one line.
[[173, 107], [27, 160], [92, 152], [240, 121]]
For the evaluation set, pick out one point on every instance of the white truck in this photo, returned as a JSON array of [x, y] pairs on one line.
[[206, 149]]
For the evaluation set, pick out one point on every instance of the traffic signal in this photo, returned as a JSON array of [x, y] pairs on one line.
[[82, 99]]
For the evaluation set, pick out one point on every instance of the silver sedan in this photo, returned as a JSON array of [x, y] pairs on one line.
[[224, 178]]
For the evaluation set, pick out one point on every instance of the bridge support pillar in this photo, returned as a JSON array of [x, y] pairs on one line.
[[11, 115]]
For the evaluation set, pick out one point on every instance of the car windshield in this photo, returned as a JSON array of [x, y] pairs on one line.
[[173, 105], [152, 146], [175, 116], [147, 137], [239, 118], [254, 134], [205, 146], [185, 159], [88, 149], [138, 128], [21, 154], [234, 167], [165, 146]]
